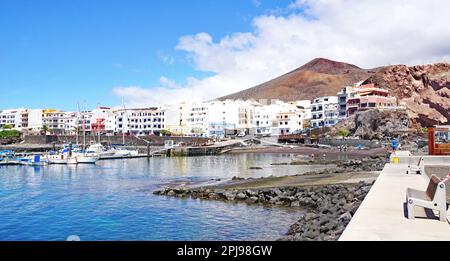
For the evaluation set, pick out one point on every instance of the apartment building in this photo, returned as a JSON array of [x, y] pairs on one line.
[[324, 112], [140, 122], [103, 120], [54, 120], [14, 118], [197, 120]]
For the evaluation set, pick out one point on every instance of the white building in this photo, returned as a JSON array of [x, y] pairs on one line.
[[197, 120], [103, 120], [263, 119], [289, 119], [110, 123], [35, 119], [72, 123], [140, 122], [230, 117], [342, 101], [175, 118], [54, 120], [305, 105], [14, 118], [325, 112]]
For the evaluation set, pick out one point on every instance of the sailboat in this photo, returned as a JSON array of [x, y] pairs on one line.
[[99, 149], [123, 152], [84, 156], [62, 157]]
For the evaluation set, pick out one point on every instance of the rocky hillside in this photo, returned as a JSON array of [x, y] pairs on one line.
[[374, 124], [320, 77], [424, 89]]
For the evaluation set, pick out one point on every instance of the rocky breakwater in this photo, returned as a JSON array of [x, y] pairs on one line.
[[327, 209], [373, 163]]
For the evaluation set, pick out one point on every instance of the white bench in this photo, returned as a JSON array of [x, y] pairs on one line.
[[433, 198], [417, 169]]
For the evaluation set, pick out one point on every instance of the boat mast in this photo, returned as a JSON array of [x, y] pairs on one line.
[[123, 123], [99, 132], [84, 127], [77, 123]]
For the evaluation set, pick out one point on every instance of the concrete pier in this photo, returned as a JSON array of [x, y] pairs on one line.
[[382, 215]]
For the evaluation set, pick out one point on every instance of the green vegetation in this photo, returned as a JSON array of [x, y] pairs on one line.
[[166, 133], [5, 134], [45, 130], [344, 133], [422, 130], [7, 127]]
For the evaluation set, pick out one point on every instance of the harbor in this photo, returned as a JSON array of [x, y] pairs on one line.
[[100, 201]]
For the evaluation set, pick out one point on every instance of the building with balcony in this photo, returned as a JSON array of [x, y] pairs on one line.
[[367, 97], [324, 112], [139, 122], [14, 118]]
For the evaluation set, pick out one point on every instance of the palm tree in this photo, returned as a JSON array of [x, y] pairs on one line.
[[344, 133], [45, 129]]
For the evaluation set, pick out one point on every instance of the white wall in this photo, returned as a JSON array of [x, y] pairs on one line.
[[35, 119]]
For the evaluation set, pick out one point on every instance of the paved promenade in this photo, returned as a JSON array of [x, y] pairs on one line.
[[382, 215]]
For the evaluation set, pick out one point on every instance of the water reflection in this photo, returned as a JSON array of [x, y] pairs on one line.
[[112, 201]]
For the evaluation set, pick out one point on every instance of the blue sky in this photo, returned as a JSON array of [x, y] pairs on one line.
[[55, 53]]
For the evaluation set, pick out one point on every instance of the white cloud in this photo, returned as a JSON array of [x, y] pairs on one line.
[[366, 33]]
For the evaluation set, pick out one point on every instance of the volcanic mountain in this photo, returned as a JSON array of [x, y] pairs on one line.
[[319, 77], [423, 89]]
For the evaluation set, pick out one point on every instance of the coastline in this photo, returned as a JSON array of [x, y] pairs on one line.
[[327, 198], [305, 150]]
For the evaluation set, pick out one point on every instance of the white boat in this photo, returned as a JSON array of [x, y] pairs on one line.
[[34, 160], [72, 160], [126, 153], [101, 150], [57, 159], [87, 159], [61, 157]]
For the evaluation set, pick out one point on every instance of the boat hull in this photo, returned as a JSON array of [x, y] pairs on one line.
[[87, 159], [58, 161]]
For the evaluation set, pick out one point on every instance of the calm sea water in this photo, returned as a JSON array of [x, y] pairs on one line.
[[113, 201]]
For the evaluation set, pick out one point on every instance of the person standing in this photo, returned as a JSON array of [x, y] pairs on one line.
[[394, 144]]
